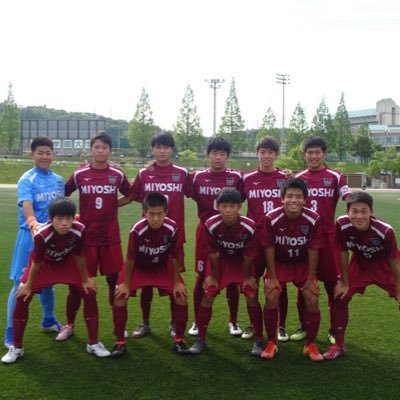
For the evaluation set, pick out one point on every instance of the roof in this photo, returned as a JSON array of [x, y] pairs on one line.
[[363, 113]]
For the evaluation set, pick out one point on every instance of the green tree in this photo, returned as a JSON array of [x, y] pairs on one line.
[[268, 126], [232, 125], [187, 130], [363, 145], [298, 128], [322, 125], [141, 127], [187, 157], [10, 122], [344, 139]]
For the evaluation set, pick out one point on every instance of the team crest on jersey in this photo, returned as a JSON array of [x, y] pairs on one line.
[[327, 181], [280, 182], [375, 241], [304, 229], [112, 180], [176, 177], [229, 181], [243, 236]]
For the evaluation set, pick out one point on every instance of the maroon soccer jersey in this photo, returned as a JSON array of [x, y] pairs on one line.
[[378, 241], [98, 201], [292, 237], [263, 193], [234, 241], [325, 187], [171, 181], [150, 248], [205, 186], [53, 247]]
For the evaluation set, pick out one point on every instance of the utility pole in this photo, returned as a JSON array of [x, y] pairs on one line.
[[215, 84], [283, 79]]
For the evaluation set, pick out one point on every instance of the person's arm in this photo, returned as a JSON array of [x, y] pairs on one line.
[[211, 279], [29, 214], [124, 200], [342, 287], [87, 283], [395, 264], [179, 289], [124, 289], [271, 282], [311, 283]]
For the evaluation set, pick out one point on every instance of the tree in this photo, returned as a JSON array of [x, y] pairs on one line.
[[10, 122], [232, 125], [268, 126], [322, 125], [187, 130], [362, 146], [141, 127], [187, 157], [344, 139], [298, 128]]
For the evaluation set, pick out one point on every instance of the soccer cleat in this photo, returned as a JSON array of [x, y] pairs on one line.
[[234, 329], [51, 325], [66, 332], [172, 330], [9, 337], [282, 335], [270, 351], [334, 351], [97, 349], [118, 350], [257, 349], [12, 355], [331, 338], [194, 330], [126, 334], [313, 353], [248, 333], [198, 347], [180, 347], [141, 330], [300, 334]]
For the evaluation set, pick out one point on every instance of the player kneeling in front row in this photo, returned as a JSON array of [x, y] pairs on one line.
[[375, 260], [57, 258], [152, 261], [292, 241], [231, 248]]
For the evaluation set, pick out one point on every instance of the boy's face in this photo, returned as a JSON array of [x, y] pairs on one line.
[[293, 202], [155, 216], [359, 214], [162, 153], [314, 157], [100, 151], [229, 212], [217, 159], [42, 157], [266, 157], [62, 223]]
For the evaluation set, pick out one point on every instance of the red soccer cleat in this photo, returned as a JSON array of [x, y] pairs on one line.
[[313, 353], [334, 351], [270, 351]]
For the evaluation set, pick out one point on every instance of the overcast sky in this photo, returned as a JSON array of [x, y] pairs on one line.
[[95, 56]]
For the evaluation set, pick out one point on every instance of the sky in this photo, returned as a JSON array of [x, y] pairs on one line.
[[96, 56]]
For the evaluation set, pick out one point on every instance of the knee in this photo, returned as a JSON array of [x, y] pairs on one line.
[[271, 300], [207, 301]]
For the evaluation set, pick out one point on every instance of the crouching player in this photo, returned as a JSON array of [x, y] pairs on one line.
[[57, 258], [231, 250], [375, 260], [292, 241], [152, 261]]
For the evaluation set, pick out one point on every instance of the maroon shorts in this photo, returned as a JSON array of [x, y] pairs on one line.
[[291, 272], [328, 260], [374, 272], [107, 259], [201, 253]]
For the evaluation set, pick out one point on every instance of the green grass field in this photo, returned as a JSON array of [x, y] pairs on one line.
[[52, 370]]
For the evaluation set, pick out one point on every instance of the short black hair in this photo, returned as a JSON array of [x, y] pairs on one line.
[[62, 206], [314, 141], [218, 143], [268, 142], [228, 195], [41, 141], [294, 183], [361, 197], [102, 136], [155, 199], [163, 139]]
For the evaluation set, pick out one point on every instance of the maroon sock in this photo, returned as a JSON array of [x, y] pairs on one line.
[[330, 287], [271, 322], [232, 297], [256, 319], [300, 307], [91, 315], [312, 321], [283, 306], [340, 318], [146, 297], [203, 320], [111, 282], [180, 316], [197, 295], [120, 317], [74, 298], [172, 306], [20, 319]]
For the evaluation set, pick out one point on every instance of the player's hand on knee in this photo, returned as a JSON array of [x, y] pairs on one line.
[[122, 291], [271, 284], [312, 286], [210, 281], [23, 291], [341, 290], [180, 291]]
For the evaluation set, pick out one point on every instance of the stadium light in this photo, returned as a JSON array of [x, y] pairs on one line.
[[215, 84]]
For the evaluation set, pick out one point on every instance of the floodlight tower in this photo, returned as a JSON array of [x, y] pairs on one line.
[[214, 85], [283, 79]]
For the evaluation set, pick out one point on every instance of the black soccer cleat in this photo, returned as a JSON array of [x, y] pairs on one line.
[[118, 350]]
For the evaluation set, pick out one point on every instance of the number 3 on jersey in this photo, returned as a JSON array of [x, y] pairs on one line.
[[314, 205]]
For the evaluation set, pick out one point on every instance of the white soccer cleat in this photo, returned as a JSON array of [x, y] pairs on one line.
[[12, 355], [194, 330], [234, 329], [97, 349], [66, 332]]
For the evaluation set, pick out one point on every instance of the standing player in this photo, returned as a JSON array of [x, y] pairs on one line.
[[57, 258], [36, 189], [325, 187], [98, 184], [375, 260], [231, 250], [204, 188], [292, 241], [152, 243], [262, 190]]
